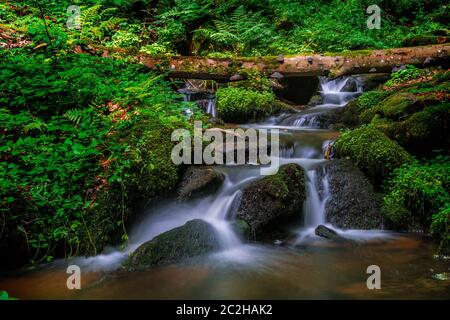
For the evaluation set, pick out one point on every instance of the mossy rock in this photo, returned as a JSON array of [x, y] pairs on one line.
[[353, 204], [356, 112], [193, 239], [239, 105], [151, 174], [371, 151], [398, 106], [199, 181], [422, 132], [241, 228], [268, 203]]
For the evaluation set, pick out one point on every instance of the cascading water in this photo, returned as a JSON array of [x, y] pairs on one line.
[[205, 100], [338, 92], [211, 107], [335, 93], [218, 209]]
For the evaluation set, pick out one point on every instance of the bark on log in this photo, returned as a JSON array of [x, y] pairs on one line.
[[354, 62]]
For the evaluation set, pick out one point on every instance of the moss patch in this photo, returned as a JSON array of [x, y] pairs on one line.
[[241, 105], [372, 151]]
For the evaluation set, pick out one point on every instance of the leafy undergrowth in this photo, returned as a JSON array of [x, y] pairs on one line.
[[412, 110], [418, 197], [231, 28], [5, 296], [83, 140]]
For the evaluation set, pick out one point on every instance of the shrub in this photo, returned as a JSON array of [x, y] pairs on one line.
[[440, 228], [242, 105], [372, 151], [401, 76], [418, 197]]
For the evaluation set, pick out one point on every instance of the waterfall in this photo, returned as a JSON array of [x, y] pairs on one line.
[[335, 93], [211, 107], [314, 206], [338, 92]]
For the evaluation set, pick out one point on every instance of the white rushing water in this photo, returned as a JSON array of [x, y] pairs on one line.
[[219, 209]]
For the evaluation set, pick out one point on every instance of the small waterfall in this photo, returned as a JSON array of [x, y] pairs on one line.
[[335, 93], [211, 107], [338, 92], [314, 206]]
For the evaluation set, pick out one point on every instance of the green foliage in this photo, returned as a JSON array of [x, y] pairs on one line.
[[418, 197], [240, 33], [370, 150], [370, 99], [254, 80], [70, 144], [409, 73], [5, 296], [242, 105]]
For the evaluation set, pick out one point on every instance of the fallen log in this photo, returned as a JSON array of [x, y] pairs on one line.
[[353, 62]]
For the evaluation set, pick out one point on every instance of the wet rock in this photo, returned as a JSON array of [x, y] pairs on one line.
[[327, 233], [241, 228], [351, 85], [353, 203], [199, 181], [315, 100], [268, 204], [193, 239], [298, 90]]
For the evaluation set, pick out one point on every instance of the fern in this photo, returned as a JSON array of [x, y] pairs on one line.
[[238, 33], [75, 115]]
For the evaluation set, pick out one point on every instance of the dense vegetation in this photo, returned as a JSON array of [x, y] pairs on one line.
[[85, 129], [410, 111]]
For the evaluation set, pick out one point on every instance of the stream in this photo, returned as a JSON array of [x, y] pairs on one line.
[[308, 268]]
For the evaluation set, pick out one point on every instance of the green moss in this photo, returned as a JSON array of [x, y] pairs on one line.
[[418, 197], [372, 151], [149, 172], [242, 105], [398, 106]]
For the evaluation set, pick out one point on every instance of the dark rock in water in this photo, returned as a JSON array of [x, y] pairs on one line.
[[298, 90], [315, 100], [326, 233], [241, 228], [199, 181], [193, 239], [353, 203], [351, 85], [268, 204]]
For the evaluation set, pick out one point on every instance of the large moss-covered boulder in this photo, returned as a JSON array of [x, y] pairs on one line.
[[270, 202], [193, 239], [353, 203], [199, 181], [240, 105], [371, 151]]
